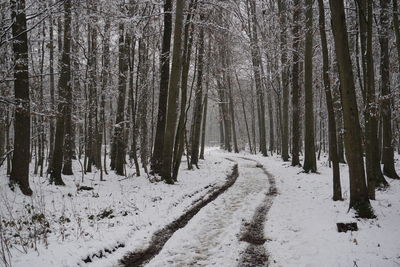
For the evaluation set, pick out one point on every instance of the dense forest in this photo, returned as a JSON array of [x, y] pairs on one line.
[[106, 92], [143, 86]]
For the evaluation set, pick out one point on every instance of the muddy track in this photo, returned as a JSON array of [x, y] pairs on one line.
[[253, 232], [158, 240]]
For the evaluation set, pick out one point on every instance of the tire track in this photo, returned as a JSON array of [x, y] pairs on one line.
[[253, 233], [158, 240]]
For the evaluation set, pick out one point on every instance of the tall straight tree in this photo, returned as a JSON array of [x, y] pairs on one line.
[[295, 84], [310, 162], [282, 6], [387, 152], [197, 114], [333, 148], [64, 94], [352, 137], [173, 87], [256, 60], [118, 139], [156, 160], [373, 168], [20, 161]]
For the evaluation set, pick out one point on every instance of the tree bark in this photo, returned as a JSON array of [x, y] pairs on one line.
[[295, 85], [156, 160], [170, 126], [285, 80], [310, 162], [20, 161], [388, 150], [65, 99], [358, 190], [197, 114], [333, 149], [118, 139]]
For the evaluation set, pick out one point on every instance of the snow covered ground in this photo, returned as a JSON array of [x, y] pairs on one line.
[[61, 226], [301, 225], [300, 228]]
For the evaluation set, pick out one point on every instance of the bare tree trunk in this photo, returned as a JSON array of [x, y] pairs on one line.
[[20, 161], [256, 57], [358, 190], [310, 162], [197, 114], [333, 150], [143, 103], [156, 160], [52, 98], [295, 85], [118, 139], [172, 95], [65, 98], [285, 81], [244, 112], [388, 150]]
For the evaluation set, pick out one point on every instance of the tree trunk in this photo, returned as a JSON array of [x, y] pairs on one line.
[[20, 161], [310, 162], [358, 190], [65, 98], [170, 126], [197, 114], [256, 57], [285, 80], [295, 85], [118, 139], [156, 160], [388, 151], [333, 149]]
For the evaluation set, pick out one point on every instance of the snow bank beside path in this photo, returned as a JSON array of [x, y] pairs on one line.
[[301, 225], [119, 214]]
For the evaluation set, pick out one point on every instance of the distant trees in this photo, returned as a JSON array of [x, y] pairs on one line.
[[98, 81]]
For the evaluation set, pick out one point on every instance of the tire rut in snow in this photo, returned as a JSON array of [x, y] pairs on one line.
[[253, 232], [159, 238]]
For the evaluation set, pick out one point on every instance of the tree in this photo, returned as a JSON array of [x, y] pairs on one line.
[[388, 152], [352, 137], [256, 60], [295, 85], [333, 148], [156, 160], [64, 92], [118, 139], [310, 162], [197, 114], [20, 161], [285, 80], [169, 133]]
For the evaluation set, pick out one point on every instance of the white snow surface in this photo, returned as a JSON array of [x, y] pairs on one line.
[[139, 208], [300, 227], [211, 238]]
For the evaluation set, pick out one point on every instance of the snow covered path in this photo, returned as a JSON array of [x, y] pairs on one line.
[[213, 236]]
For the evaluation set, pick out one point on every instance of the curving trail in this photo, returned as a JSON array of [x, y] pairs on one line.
[[229, 230]]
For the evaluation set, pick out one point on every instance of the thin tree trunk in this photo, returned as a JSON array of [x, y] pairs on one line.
[[388, 150], [333, 150], [295, 85]]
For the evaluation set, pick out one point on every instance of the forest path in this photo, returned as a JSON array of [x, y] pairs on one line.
[[229, 230]]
